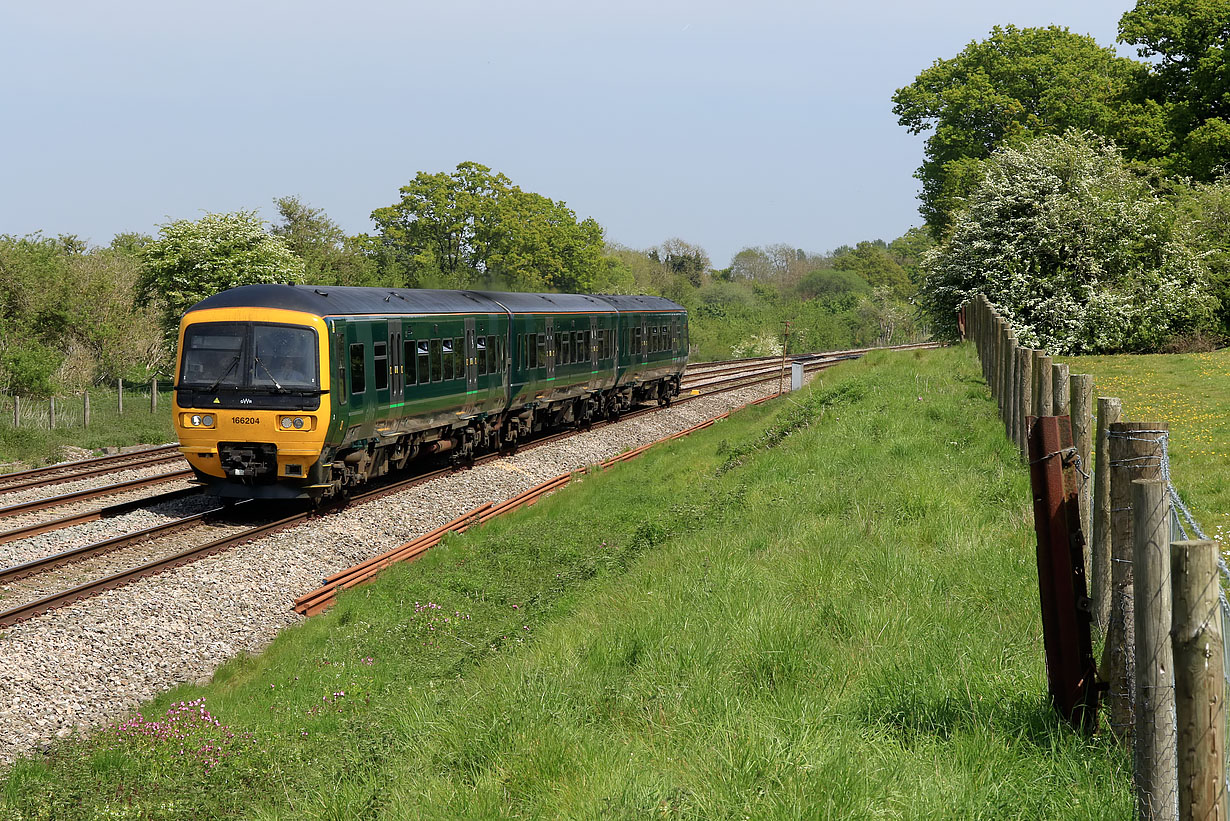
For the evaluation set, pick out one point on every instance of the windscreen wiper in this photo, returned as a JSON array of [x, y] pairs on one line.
[[272, 378], [224, 375]]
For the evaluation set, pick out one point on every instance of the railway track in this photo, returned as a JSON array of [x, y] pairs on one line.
[[166, 559], [85, 468]]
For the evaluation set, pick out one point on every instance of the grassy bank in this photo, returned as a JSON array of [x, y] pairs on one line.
[[824, 607], [1191, 393]]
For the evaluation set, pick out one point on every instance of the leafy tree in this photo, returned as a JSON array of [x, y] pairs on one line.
[[1079, 253], [192, 260], [69, 316], [1016, 84], [873, 262], [831, 285], [474, 227], [329, 256], [1188, 45]]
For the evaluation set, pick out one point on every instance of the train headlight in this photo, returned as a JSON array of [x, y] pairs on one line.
[[207, 421], [286, 422], [196, 421], [298, 423]]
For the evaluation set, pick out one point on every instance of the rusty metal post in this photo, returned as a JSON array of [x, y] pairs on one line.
[[1071, 675]]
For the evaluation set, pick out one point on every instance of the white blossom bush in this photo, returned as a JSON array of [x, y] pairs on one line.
[[1078, 253], [192, 260]]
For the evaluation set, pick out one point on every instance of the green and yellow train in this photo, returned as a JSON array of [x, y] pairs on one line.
[[294, 392]]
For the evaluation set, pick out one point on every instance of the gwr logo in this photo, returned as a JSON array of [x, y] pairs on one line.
[[245, 401]]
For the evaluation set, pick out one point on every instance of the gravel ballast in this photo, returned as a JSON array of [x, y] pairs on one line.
[[89, 663]]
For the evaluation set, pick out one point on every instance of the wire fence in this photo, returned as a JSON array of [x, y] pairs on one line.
[[1158, 580]]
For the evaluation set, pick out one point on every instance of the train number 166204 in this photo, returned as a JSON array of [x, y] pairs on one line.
[[245, 420]]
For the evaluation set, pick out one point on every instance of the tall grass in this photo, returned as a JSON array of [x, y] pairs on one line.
[[824, 607]]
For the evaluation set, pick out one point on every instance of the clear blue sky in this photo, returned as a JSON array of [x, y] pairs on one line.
[[725, 123]]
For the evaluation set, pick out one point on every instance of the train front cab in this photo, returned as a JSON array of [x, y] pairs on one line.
[[252, 404]]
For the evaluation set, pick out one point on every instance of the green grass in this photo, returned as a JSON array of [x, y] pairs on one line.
[[33, 443], [1190, 392], [823, 607]]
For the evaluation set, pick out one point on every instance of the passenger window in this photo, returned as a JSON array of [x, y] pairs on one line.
[[424, 362], [542, 351], [448, 359], [481, 354], [437, 369], [459, 358], [582, 348], [380, 353], [408, 362], [357, 384], [492, 360]]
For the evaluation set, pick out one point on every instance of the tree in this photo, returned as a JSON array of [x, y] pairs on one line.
[[1188, 45], [1076, 251], [192, 260], [475, 227], [1016, 84], [329, 256], [873, 262]]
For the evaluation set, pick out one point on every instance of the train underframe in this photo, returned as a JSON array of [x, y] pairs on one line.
[[252, 467]]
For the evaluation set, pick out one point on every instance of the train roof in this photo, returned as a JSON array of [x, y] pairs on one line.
[[640, 302], [330, 300]]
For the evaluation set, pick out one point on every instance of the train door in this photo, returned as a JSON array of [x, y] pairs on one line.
[[471, 360], [643, 353], [396, 369], [551, 352], [359, 388]]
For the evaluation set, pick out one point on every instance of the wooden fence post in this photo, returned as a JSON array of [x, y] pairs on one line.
[[153, 394], [1025, 372], [1200, 687], [51, 412], [1042, 384], [1061, 403], [1082, 432], [1155, 767], [85, 401], [1009, 381], [1108, 413], [16, 411], [119, 391], [1135, 453]]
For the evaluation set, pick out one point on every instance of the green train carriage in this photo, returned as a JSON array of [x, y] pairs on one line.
[[292, 392]]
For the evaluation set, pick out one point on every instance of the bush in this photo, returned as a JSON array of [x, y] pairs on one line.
[[1079, 253]]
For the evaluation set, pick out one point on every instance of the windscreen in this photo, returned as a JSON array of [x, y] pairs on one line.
[[248, 355]]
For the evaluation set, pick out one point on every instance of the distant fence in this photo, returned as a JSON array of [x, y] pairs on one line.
[[1148, 581], [78, 410]]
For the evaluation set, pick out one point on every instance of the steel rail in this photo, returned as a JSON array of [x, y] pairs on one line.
[[91, 493], [93, 515], [76, 554], [41, 481], [88, 464]]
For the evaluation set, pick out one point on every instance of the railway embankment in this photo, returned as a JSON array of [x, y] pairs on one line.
[[824, 606]]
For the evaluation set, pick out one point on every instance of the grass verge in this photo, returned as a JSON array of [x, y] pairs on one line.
[[33, 443], [824, 607], [1190, 392]]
